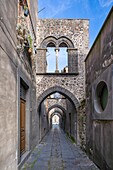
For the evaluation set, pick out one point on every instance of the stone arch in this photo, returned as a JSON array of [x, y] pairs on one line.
[[56, 110], [56, 106], [53, 113], [60, 90], [62, 114], [58, 114], [49, 40], [66, 41]]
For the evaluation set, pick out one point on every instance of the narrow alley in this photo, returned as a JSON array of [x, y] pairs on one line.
[[56, 85], [57, 152]]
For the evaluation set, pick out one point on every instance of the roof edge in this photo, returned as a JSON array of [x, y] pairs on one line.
[[111, 10]]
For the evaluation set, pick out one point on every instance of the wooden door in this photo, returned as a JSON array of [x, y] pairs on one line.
[[22, 126]]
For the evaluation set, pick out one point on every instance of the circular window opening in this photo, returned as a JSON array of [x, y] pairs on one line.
[[101, 97]]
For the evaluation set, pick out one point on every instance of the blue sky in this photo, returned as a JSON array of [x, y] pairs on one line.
[[94, 10]]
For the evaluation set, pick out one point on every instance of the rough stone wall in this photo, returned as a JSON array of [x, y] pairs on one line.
[[100, 125], [13, 67], [77, 32], [82, 125], [73, 61], [72, 83], [61, 102], [71, 120], [43, 122], [41, 61]]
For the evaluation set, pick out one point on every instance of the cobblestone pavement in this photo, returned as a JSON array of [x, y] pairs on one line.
[[56, 152]]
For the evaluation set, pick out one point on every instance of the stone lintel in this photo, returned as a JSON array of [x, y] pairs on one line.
[[58, 74], [72, 49], [42, 49]]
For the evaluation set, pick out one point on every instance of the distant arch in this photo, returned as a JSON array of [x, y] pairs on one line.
[[55, 110], [54, 113], [60, 90], [57, 106]]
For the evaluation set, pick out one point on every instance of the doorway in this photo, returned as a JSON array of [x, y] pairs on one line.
[[22, 125]]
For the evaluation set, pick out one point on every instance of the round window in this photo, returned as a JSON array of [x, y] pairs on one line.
[[101, 97]]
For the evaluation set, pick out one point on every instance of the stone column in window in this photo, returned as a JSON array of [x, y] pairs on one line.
[[57, 51]]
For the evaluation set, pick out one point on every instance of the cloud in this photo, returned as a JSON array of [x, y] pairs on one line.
[[105, 3], [54, 8]]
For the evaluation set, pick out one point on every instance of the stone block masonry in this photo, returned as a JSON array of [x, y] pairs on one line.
[[74, 29], [71, 83], [73, 32]]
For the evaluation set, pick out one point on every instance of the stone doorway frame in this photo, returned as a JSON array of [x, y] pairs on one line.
[[21, 158]]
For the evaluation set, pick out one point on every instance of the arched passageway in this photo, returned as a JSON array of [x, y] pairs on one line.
[[61, 34], [67, 114], [57, 106], [56, 119], [69, 85], [62, 116]]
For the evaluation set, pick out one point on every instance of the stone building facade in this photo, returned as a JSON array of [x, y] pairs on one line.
[[55, 101], [17, 82], [70, 33], [74, 35], [99, 89]]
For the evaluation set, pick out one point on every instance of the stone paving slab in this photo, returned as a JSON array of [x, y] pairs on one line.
[[57, 152]]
